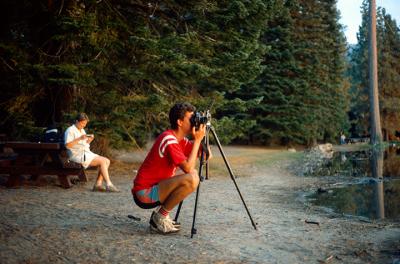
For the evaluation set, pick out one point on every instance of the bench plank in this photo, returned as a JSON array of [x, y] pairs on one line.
[[35, 159]]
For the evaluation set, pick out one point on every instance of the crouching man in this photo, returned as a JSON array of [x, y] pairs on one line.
[[157, 183]]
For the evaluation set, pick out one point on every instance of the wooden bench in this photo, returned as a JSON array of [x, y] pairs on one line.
[[36, 159]]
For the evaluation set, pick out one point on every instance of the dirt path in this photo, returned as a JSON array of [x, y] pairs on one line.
[[48, 224]]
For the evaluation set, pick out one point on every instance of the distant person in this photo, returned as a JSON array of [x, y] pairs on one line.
[[342, 139], [157, 183], [77, 143]]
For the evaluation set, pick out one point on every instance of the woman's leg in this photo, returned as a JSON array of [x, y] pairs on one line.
[[103, 164]]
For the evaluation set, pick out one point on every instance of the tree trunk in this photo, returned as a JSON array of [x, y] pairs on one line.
[[376, 133]]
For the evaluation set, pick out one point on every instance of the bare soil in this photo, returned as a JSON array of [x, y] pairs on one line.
[[43, 223]]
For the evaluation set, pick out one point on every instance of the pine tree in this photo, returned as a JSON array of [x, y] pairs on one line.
[[303, 96], [359, 113], [124, 62], [388, 75], [322, 59]]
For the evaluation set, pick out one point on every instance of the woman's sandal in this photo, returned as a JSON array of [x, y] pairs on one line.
[[98, 188], [111, 188]]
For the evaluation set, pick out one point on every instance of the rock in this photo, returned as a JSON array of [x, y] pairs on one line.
[[314, 159], [325, 147]]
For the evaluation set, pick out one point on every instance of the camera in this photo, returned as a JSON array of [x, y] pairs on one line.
[[199, 118]]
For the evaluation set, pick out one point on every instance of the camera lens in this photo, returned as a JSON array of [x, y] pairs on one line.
[[199, 118]]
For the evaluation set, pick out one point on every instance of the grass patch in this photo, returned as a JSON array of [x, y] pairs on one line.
[[270, 160], [244, 161]]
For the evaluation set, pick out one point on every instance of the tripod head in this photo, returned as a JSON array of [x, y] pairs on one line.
[[199, 118]]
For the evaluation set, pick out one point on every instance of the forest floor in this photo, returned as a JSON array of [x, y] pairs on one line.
[[44, 223]]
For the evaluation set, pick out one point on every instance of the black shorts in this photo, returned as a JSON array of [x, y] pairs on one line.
[[145, 205]]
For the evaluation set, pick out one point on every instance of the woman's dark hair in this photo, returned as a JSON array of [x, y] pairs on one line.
[[178, 111], [82, 116]]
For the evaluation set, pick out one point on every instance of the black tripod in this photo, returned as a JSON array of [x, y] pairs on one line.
[[204, 162]]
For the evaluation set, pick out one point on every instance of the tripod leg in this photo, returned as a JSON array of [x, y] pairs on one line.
[[194, 230], [232, 177], [178, 211]]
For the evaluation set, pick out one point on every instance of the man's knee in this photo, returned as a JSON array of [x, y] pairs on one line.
[[194, 179], [194, 173]]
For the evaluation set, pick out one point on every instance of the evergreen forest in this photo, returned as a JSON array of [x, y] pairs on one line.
[[276, 72]]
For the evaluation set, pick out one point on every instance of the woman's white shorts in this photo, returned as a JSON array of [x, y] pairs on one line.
[[85, 159]]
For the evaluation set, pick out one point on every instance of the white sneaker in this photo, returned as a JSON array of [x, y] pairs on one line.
[[162, 224], [175, 224]]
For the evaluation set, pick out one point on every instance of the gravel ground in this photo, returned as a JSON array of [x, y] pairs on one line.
[[48, 224]]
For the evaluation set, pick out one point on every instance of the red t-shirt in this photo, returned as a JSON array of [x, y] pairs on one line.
[[162, 160]]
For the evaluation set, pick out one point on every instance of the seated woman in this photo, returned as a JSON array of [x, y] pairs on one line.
[[77, 143]]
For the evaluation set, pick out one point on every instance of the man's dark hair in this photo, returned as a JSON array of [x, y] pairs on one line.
[[178, 111]]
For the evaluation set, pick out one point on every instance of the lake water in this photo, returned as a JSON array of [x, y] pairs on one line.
[[372, 183]]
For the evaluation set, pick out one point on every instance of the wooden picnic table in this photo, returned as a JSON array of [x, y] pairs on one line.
[[35, 159]]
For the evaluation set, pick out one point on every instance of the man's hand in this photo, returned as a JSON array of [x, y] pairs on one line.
[[188, 165], [199, 134]]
